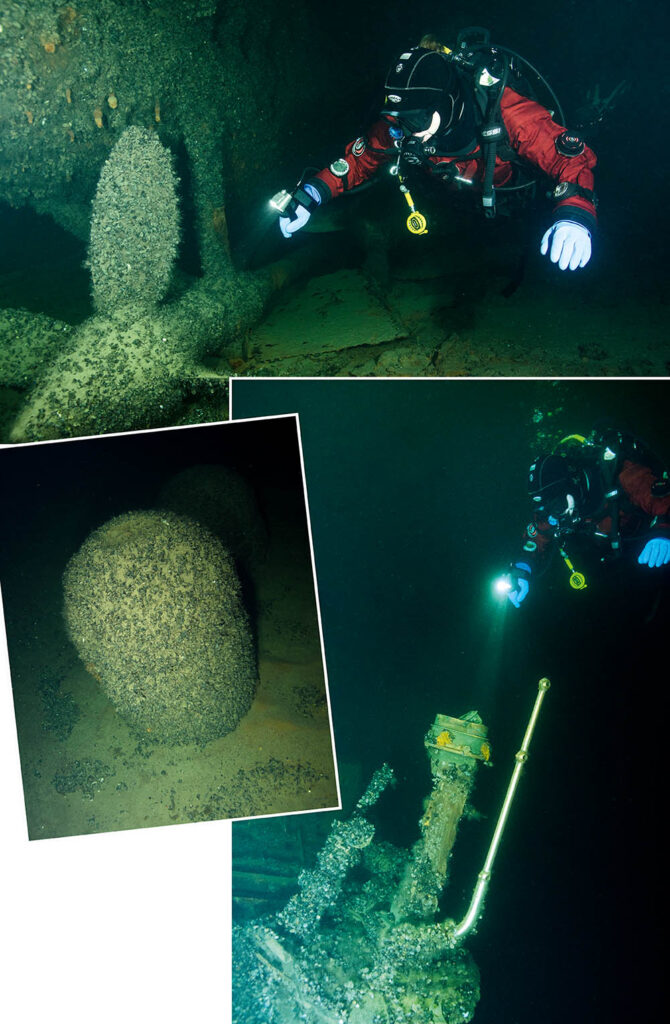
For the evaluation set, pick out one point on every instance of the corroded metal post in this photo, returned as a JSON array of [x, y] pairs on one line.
[[455, 746]]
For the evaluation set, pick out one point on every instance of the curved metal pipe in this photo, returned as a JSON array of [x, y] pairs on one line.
[[484, 876]]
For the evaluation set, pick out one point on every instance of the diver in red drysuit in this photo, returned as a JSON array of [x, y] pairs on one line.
[[435, 118], [602, 494]]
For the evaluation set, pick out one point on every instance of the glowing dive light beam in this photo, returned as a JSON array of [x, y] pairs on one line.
[[489, 620], [502, 585]]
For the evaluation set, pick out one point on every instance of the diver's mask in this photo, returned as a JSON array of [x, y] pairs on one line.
[[562, 515], [411, 131], [557, 489], [418, 124]]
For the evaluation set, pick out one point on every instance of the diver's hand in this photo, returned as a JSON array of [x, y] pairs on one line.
[[521, 583], [518, 595], [568, 244], [288, 226], [305, 198], [656, 552]]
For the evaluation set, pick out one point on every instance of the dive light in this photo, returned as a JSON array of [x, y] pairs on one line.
[[503, 584], [281, 201]]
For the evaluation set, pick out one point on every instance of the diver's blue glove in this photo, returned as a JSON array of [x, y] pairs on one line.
[[517, 595], [570, 244], [655, 552], [304, 198]]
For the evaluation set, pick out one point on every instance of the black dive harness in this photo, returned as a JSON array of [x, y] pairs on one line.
[[492, 132], [489, 69], [607, 468]]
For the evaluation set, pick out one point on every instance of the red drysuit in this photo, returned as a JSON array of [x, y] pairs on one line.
[[531, 132], [640, 515]]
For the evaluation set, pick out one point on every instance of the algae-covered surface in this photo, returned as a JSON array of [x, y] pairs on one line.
[[450, 304], [328, 314], [88, 769], [481, 302]]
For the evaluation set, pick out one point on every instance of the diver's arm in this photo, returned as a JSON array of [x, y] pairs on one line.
[[537, 543], [638, 481], [646, 491], [531, 562], [538, 138], [362, 159]]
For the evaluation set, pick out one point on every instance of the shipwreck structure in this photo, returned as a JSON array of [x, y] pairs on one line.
[[137, 127], [362, 941]]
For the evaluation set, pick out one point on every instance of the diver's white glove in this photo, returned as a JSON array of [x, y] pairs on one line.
[[300, 213], [288, 225], [568, 244]]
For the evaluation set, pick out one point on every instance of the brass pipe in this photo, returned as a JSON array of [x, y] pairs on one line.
[[484, 876]]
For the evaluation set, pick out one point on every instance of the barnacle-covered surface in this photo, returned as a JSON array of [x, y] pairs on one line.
[[136, 200], [335, 952], [153, 605], [190, 692], [127, 124], [73, 77], [223, 501]]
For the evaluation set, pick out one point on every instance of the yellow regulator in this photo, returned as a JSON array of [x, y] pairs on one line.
[[416, 222], [577, 579]]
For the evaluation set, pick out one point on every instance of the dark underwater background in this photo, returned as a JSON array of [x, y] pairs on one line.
[[417, 493]]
